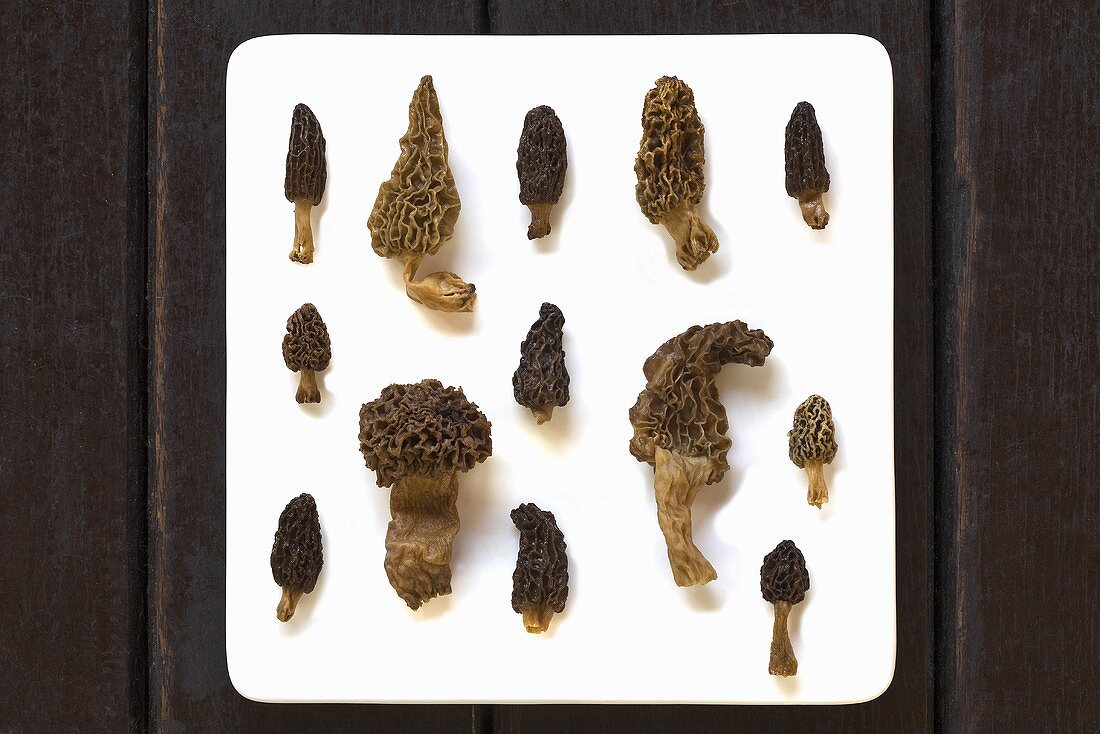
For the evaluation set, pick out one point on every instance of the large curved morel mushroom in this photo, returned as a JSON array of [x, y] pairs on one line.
[[812, 443], [804, 156], [306, 172], [680, 429], [541, 162], [297, 555], [540, 583], [418, 438], [541, 382], [307, 349], [670, 170], [416, 209], [784, 582]]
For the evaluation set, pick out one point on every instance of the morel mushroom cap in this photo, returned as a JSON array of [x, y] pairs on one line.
[[306, 172], [670, 169], [541, 162], [307, 348], [804, 155], [784, 582], [541, 381], [540, 583], [812, 442], [297, 555], [416, 209]]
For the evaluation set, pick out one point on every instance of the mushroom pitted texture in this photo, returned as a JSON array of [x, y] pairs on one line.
[[307, 349], [297, 555], [306, 173], [541, 162], [540, 583], [804, 163], [541, 382], [784, 582], [812, 443]]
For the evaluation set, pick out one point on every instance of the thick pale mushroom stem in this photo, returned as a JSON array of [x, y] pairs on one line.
[[676, 481], [419, 537], [536, 618], [782, 661], [818, 493], [695, 240], [308, 391], [302, 252], [287, 604], [813, 210], [542, 413], [441, 291], [540, 220]]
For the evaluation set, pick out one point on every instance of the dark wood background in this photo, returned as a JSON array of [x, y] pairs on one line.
[[113, 442]]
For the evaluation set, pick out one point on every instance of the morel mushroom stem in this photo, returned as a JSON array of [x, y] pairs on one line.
[[540, 220], [542, 413], [677, 479], [783, 661], [813, 210], [695, 240], [537, 617], [308, 391], [287, 604], [302, 251], [819, 490], [440, 291], [420, 535]]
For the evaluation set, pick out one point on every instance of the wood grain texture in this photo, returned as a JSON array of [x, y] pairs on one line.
[[1018, 403], [190, 45], [903, 28]]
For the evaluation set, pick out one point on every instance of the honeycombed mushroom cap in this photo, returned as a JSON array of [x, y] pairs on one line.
[[671, 155], [813, 436], [784, 577], [804, 153], [541, 378], [542, 568], [306, 345], [297, 555], [306, 170], [541, 157]]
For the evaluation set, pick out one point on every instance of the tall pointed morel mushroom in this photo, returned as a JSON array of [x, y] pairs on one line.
[[418, 438], [541, 163], [784, 582], [812, 443], [670, 170], [306, 172], [804, 154], [680, 429], [307, 349], [540, 583], [416, 209], [297, 555], [541, 381]]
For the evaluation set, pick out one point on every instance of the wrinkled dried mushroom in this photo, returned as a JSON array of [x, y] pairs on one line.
[[670, 170], [804, 155], [297, 555], [304, 184], [418, 438], [541, 381], [680, 429], [541, 162], [416, 209], [812, 443], [540, 583], [307, 349], [784, 582]]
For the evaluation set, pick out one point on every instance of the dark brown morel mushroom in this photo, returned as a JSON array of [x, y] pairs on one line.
[[812, 443], [541, 164], [804, 154], [297, 555], [670, 170], [680, 429], [416, 209], [540, 583], [784, 582], [418, 439], [541, 381], [307, 349], [306, 172]]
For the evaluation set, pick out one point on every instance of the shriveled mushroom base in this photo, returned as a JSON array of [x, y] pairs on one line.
[[442, 291], [542, 413], [308, 392], [813, 210], [695, 240], [540, 220], [818, 493], [536, 618], [302, 252], [782, 660], [287, 604], [676, 481], [419, 537]]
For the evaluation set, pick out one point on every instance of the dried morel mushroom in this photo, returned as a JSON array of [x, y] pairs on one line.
[[680, 429], [541, 381], [784, 582], [541, 164], [306, 171], [307, 349], [811, 443], [540, 583], [416, 209], [670, 169], [418, 439], [297, 555], [804, 154]]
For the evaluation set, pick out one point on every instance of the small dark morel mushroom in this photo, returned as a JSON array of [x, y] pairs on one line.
[[784, 582], [418, 438], [540, 583], [297, 555], [804, 154], [306, 171], [541, 164], [670, 170], [541, 381], [812, 443], [307, 349], [680, 429]]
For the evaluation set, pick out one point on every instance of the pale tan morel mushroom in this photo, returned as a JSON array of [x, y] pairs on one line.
[[812, 444]]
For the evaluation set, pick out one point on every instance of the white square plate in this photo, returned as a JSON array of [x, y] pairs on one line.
[[628, 633]]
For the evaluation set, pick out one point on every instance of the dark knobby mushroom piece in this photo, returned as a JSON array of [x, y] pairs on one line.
[[540, 583], [784, 582], [541, 163], [804, 155], [812, 443], [680, 429], [418, 438], [670, 170], [541, 381], [306, 172], [416, 209], [297, 555], [307, 349]]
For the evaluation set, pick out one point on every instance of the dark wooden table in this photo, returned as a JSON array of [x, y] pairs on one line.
[[113, 358]]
